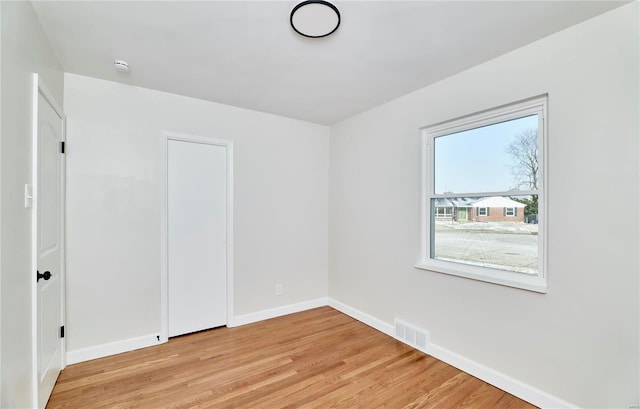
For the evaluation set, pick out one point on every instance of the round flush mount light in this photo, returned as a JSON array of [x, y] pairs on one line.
[[121, 65], [315, 18]]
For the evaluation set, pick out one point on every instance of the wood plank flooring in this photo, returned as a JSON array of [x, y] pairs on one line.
[[314, 359]]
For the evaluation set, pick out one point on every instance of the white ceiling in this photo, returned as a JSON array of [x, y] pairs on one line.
[[245, 53]]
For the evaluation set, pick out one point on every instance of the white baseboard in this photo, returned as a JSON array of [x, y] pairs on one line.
[[515, 387], [362, 317], [112, 348], [239, 320], [506, 383], [126, 345]]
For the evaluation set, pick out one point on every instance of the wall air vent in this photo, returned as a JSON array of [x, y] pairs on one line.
[[411, 335]]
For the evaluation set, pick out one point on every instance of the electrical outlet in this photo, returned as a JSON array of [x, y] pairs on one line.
[[279, 289]]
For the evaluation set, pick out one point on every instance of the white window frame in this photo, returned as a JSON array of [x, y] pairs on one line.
[[482, 210], [532, 282], [511, 210], [447, 211]]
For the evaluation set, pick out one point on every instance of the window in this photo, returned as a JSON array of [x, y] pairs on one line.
[[490, 160], [444, 211]]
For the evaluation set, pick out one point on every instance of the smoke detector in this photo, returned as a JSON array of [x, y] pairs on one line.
[[121, 65]]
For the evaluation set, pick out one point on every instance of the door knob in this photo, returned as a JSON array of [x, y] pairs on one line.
[[46, 275]]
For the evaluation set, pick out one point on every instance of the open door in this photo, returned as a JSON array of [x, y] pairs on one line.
[[48, 243], [197, 234]]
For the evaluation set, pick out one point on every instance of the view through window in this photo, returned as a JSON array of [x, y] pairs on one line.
[[483, 187]]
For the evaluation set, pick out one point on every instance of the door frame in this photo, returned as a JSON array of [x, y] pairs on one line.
[[164, 273], [39, 88]]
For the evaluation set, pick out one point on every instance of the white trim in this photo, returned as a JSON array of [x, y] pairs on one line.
[[513, 386], [543, 226], [164, 304], [488, 116], [480, 371], [513, 279], [126, 345], [42, 89], [365, 318], [164, 277], [537, 282], [276, 312], [111, 348], [34, 241], [484, 195]]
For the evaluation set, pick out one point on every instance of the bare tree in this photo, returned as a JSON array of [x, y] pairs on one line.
[[524, 151]]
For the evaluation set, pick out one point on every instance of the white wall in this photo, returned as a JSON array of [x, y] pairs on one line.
[[580, 341], [113, 205], [25, 50]]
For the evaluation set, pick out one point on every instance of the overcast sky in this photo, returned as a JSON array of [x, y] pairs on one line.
[[476, 160]]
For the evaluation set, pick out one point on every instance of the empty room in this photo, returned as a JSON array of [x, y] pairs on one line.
[[319, 204]]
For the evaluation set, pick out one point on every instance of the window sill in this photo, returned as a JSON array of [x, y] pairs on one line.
[[521, 281]]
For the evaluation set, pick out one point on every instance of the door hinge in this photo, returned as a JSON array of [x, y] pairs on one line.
[[62, 147], [62, 331]]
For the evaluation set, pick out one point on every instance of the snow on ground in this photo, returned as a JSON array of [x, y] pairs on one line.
[[488, 227]]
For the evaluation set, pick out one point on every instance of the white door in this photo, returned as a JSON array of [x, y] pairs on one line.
[[48, 248], [196, 233]]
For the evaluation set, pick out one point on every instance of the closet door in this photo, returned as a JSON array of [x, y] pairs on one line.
[[196, 233]]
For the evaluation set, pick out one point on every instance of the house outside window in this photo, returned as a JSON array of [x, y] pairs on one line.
[[464, 162]]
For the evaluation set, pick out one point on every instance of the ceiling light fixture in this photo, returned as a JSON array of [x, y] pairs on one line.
[[315, 18]]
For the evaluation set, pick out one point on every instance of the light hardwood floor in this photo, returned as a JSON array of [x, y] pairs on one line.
[[314, 359]]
